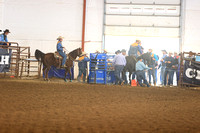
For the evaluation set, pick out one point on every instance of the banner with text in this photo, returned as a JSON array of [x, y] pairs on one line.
[[191, 73], [4, 62]]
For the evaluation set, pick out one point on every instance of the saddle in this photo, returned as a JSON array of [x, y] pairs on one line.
[[59, 58]]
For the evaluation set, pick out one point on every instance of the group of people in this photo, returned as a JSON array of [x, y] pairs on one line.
[[169, 65]]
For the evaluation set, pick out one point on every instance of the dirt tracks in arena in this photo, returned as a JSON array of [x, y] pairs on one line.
[[58, 107]]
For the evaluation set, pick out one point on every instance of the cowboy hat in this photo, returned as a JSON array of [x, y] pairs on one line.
[[123, 50], [97, 51], [7, 30], [60, 37], [117, 52], [105, 51], [164, 51], [83, 53]]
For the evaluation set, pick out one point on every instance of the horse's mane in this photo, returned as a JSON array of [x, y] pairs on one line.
[[72, 52], [145, 55]]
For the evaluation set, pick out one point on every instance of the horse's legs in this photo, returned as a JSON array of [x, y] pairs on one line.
[[124, 76], [44, 71], [66, 71], [70, 74], [130, 79], [47, 72]]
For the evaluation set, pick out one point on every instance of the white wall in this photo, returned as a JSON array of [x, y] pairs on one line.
[[192, 26], [37, 23], [1, 13], [94, 25]]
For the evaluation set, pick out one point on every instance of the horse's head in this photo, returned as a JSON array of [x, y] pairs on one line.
[[148, 58], [79, 52]]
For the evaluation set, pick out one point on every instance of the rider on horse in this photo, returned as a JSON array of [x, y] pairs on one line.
[[135, 49], [60, 50]]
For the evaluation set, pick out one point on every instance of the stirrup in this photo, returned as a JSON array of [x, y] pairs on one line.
[[63, 66]]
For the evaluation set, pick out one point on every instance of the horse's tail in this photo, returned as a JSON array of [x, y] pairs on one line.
[[39, 55]]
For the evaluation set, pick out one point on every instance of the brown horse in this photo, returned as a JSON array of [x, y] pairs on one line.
[[49, 60]]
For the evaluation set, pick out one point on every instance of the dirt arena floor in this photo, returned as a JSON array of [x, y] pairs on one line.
[[39, 107]]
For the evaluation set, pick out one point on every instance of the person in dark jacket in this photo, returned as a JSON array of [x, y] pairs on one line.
[[169, 61], [175, 67], [82, 65]]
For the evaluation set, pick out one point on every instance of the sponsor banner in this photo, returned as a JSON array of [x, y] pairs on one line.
[[191, 73], [59, 73], [4, 62]]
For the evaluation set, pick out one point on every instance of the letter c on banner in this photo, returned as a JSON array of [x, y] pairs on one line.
[[188, 74]]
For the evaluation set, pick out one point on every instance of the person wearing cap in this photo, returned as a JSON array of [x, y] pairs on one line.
[[119, 62], [151, 72], [117, 52], [97, 52], [4, 39], [162, 66], [105, 51], [169, 61], [60, 49], [140, 72], [82, 65], [135, 49]]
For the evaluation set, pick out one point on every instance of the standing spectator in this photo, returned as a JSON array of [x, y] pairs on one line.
[[4, 39], [175, 67], [191, 56], [169, 60], [119, 62], [163, 66], [105, 51], [152, 65], [117, 52], [135, 49], [156, 69], [140, 72], [82, 65]]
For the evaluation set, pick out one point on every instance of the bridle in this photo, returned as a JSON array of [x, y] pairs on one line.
[[71, 58]]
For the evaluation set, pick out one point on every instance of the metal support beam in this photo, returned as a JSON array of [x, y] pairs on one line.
[[150, 15], [143, 4], [143, 26], [182, 25], [83, 26], [104, 22]]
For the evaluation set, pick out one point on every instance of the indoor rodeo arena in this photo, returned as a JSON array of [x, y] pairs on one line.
[[99, 66]]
